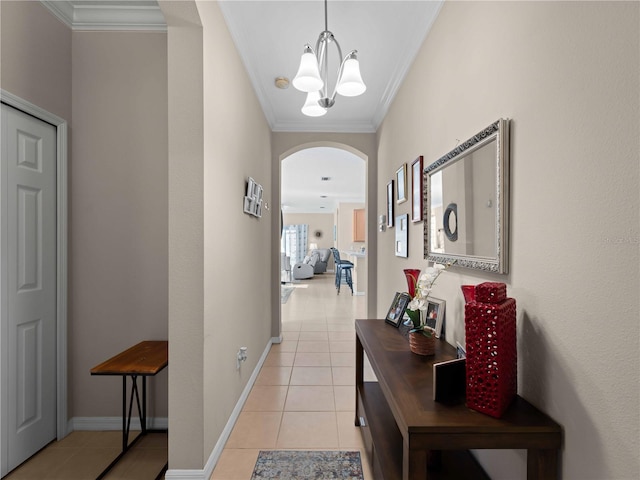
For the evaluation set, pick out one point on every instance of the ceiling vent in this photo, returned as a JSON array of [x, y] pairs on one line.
[[325, 179]]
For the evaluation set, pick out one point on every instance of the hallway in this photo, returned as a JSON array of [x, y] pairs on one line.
[[304, 397]]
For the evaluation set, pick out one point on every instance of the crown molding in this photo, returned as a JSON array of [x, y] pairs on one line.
[[311, 125], [404, 63], [107, 17]]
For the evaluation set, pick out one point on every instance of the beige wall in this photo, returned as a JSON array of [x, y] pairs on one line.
[[186, 234], [111, 88], [118, 211], [219, 257], [567, 75], [322, 222], [36, 56], [237, 245]]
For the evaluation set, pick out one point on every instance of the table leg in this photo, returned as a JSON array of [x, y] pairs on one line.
[[143, 419], [125, 430], [542, 464], [359, 375], [414, 464]]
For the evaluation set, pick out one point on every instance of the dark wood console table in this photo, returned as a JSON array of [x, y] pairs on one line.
[[142, 360], [404, 429]]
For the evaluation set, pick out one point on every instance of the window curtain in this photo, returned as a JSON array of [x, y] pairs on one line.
[[294, 242]]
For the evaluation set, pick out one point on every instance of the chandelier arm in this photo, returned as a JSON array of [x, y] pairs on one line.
[[322, 46]]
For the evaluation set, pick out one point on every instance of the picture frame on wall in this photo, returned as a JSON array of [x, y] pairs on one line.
[[390, 204], [252, 204], [397, 309], [417, 189], [402, 236], [401, 184], [435, 315]]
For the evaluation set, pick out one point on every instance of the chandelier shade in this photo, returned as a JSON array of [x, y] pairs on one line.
[[312, 107], [350, 83], [313, 75], [308, 77]]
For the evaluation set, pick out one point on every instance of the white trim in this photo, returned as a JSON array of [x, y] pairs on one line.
[[214, 457], [324, 126], [89, 17], [99, 424], [61, 254]]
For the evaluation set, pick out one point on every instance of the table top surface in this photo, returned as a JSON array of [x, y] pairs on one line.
[[145, 358], [406, 380]]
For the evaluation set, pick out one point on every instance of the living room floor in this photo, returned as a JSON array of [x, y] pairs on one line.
[[304, 398]]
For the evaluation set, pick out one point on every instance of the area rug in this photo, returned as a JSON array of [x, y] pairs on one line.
[[285, 292], [308, 465]]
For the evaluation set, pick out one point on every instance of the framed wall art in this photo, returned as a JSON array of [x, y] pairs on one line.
[[253, 199], [416, 190], [390, 204], [401, 184], [402, 236]]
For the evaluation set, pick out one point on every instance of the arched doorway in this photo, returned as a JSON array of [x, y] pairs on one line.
[[320, 188], [363, 155]]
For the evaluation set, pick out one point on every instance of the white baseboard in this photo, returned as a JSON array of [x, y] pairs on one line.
[[214, 457], [114, 423]]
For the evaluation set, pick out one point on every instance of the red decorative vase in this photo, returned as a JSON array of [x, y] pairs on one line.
[[490, 330], [412, 275], [469, 292]]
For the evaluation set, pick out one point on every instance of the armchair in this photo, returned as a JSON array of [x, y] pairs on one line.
[[304, 270]]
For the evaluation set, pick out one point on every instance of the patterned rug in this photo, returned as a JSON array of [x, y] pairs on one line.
[[311, 465], [285, 292]]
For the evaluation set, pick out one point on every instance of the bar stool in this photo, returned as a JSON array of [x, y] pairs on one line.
[[342, 265]]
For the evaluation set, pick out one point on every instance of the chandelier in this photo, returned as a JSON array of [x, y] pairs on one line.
[[312, 76]]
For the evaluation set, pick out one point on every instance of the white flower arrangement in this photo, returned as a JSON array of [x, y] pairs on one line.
[[419, 303]]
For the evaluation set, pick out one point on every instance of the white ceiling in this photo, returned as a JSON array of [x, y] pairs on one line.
[[270, 35], [303, 187]]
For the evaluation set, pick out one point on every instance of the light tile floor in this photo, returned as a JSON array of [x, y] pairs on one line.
[[83, 455], [304, 396]]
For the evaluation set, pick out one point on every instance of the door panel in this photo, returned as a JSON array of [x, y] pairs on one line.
[[29, 221]]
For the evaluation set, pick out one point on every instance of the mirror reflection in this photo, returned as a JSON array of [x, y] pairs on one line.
[[463, 217], [465, 201]]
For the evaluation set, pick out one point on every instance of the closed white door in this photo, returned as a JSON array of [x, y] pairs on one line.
[[27, 286]]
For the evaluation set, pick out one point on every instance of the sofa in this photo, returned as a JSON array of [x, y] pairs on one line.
[[314, 263]]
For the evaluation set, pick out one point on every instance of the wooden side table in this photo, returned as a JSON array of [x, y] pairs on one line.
[[142, 360], [404, 428]]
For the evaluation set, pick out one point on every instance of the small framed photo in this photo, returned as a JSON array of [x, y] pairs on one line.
[[435, 315], [397, 308], [247, 205], [401, 184], [390, 204], [416, 190], [251, 186]]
